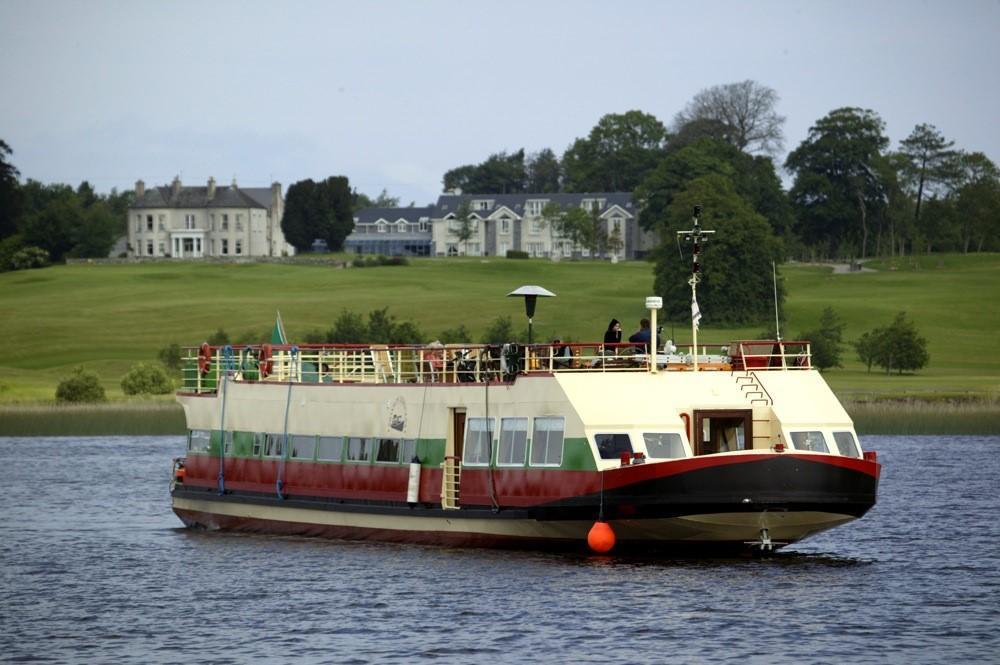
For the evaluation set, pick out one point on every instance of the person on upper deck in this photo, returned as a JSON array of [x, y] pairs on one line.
[[613, 335], [642, 337]]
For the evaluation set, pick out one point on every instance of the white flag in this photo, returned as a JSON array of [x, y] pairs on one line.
[[695, 313]]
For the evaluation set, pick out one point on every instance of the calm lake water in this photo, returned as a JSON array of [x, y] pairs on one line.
[[95, 568]]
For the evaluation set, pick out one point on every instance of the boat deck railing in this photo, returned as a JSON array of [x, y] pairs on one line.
[[204, 367]]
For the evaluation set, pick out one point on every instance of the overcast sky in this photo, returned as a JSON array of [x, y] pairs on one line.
[[393, 94]]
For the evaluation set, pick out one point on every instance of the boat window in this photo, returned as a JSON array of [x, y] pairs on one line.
[[274, 445], [846, 444], [258, 443], [812, 441], [303, 447], [547, 441], [611, 446], [200, 441], [663, 445], [387, 450], [478, 440], [513, 447], [409, 450], [359, 450], [330, 448]]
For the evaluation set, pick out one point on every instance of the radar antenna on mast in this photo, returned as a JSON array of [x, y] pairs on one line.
[[696, 236]]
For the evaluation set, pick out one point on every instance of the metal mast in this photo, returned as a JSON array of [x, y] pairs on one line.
[[696, 236]]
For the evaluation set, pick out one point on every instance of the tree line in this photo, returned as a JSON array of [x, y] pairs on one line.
[[40, 223]]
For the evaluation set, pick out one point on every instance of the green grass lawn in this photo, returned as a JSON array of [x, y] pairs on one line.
[[108, 317]]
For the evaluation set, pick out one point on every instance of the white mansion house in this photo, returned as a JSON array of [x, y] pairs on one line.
[[499, 223], [192, 222]]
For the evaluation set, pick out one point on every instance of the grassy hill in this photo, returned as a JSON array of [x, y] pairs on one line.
[[108, 317]]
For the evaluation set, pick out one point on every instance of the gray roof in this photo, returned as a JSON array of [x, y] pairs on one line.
[[449, 203], [411, 215], [197, 197]]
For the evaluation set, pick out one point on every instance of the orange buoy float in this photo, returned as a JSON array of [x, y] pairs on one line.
[[601, 537]]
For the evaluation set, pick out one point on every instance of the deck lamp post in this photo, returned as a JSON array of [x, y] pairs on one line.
[[653, 303], [530, 293]]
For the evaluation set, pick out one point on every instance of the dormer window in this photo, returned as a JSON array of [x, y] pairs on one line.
[[401, 226], [381, 226]]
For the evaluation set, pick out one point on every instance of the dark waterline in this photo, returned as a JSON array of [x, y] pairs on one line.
[[96, 569]]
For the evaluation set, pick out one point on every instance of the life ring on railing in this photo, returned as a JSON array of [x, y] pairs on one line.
[[264, 363], [204, 358]]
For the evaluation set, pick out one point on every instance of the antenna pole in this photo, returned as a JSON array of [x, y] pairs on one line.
[[774, 281], [696, 236]]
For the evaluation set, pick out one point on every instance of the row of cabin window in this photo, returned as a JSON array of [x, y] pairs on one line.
[[817, 442], [319, 448], [546, 447]]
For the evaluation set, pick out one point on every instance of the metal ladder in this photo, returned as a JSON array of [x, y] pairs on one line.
[[752, 389], [450, 481]]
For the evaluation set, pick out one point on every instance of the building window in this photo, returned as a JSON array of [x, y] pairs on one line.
[[138, 223], [303, 447], [537, 225], [482, 204], [424, 225], [225, 245], [359, 450], [813, 441], [274, 445], [401, 227], [162, 248], [534, 207], [616, 225], [239, 222], [381, 227], [536, 249], [611, 446], [547, 441], [189, 222], [513, 447], [846, 445], [149, 247], [211, 220], [388, 450], [330, 448], [149, 222], [478, 442], [452, 249], [162, 221], [225, 222], [663, 445], [472, 249], [239, 246]]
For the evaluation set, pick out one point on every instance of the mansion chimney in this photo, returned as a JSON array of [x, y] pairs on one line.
[[211, 188], [175, 186], [140, 189]]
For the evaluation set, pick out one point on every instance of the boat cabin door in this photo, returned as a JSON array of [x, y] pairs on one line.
[[452, 464], [721, 431]]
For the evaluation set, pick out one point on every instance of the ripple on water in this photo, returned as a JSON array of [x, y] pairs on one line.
[[101, 572]]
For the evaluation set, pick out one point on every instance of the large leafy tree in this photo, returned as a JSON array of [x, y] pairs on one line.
[[977, 203], [837, 184], [10, 194], [753, 178], [544, 172], [501, 173], [617, 154], [928, 163], [736, 286], [318, 210], [746, 111]]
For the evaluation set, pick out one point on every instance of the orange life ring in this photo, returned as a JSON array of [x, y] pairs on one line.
[[204, 358], [264, 363]]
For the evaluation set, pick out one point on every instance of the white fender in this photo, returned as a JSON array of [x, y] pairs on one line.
[[413, 488]]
